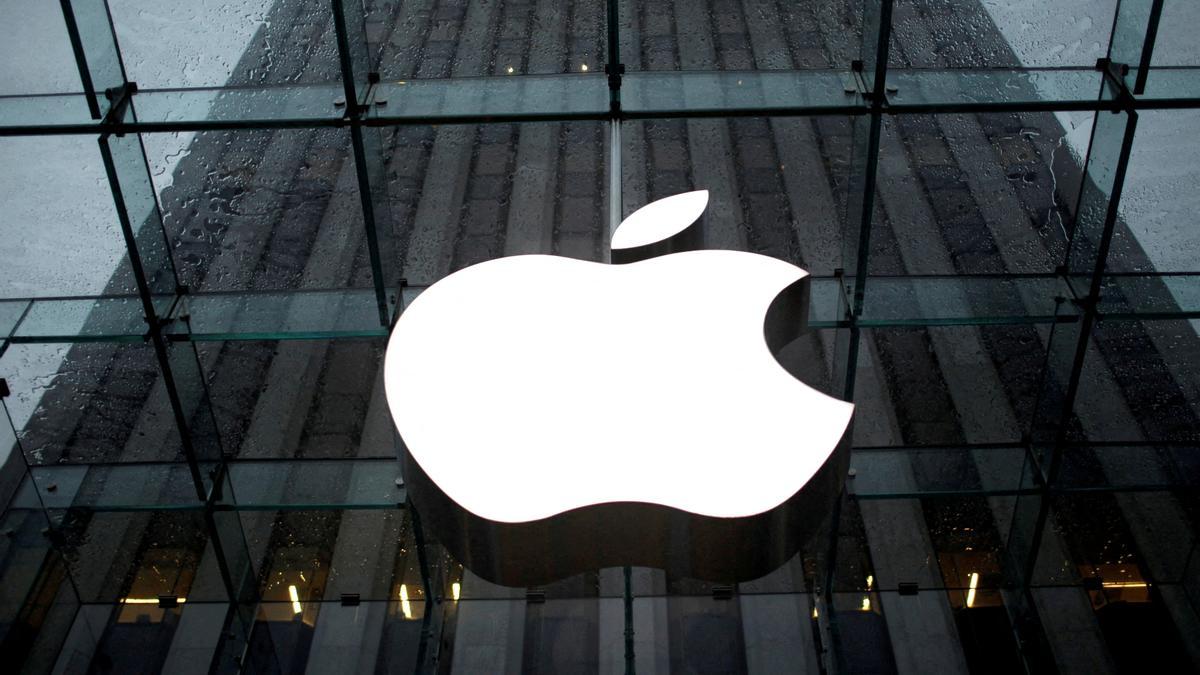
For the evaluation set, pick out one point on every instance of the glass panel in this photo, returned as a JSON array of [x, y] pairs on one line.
[[1116, 466], [99, 47], [1106, 544], [974, 194], [943, 543], [116, 557], [1154, 232], [861, 642], [462, 194], [946, 386], [310, 556], [38, 602], [212, 44], [125, 157], [936, 33], [1150, 296], [1116, 405], [734, 36], [370, 166], [242, 583], [861, 180], [44, 113], [196, 409], [1174, 43], [66, 320], [384, 635], [264, 210], [876, 40], [533, 96], [980, 89], [299, 103], [309, 484], [762, 92], [153, 485], [308, 398], [1051, 421], [1171, 86], [37, 28], [897, 472], [10, 315], [758, 172], [91, 403], [1107, 160], [962, 300], [360, 53], [61, 230], [294, 315], [1133, 38], [494, 38]]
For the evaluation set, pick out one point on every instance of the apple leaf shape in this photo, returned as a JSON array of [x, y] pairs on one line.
[[560, 415], [668, 225]]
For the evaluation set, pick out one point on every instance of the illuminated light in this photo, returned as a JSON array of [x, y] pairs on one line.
[[974, 583], [435, 344], [405, 606], [866, 604], [455, 590], [815, 613], [870, 580], [642, 318], [509, 70], [1125, 584], [147, 601], [583, 67], [295, 595]]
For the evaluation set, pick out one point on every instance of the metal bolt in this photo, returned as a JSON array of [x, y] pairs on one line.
[[339, 101], [852, 473], [381, 101], [399, 482], [52, 487]]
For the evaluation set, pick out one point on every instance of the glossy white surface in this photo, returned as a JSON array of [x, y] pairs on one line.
[[532, 385], [660, 219]]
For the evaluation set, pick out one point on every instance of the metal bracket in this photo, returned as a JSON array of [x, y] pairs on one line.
[[1115, 74], [156, 325], [369, 96], [854, 82], [615, 72], [120, 97]]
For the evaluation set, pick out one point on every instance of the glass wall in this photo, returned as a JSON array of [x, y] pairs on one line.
[[216, 210]]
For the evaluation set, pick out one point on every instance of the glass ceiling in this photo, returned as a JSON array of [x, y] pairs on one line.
[[217, 209]]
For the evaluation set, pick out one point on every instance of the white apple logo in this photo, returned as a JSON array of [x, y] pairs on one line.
[[562, 415]]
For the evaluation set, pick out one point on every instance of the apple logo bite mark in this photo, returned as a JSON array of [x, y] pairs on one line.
[[561, 416]]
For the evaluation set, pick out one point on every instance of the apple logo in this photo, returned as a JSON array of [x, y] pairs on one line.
[[561, 416]]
